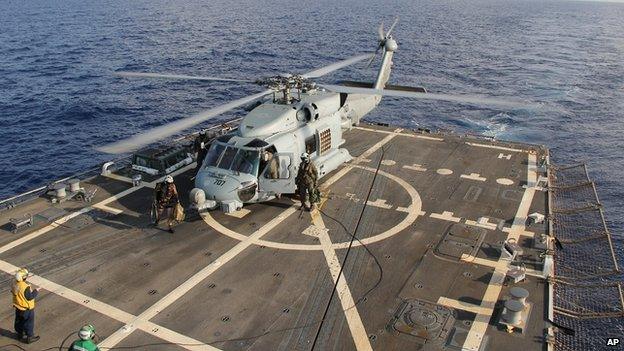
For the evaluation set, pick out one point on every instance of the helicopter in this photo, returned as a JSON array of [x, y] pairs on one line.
[[258, 161]]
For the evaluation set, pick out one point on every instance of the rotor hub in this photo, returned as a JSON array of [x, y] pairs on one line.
[[280, 83]]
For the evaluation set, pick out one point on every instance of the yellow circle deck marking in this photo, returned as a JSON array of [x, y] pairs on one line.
[[414, 210]]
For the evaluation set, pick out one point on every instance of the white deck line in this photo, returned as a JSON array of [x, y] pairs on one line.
[[482, 223], [193, 281], [495, 147], [461, 305], [358, 332], [401, 134], [416, 167], [446, 216], [108, 209], [473, 176], [111, 311], [480, 324]]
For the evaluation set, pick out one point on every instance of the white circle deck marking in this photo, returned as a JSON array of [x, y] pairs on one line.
[[388, 162], [414, 211], [504, 181], [444, 171]]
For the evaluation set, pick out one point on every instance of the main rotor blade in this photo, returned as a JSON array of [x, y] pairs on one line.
[[167, 130], [335, 66], [178, 76], [392, 26], [469, 99], [380, 31]]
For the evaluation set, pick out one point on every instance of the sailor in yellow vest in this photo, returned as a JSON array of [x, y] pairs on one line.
[[24, 302]]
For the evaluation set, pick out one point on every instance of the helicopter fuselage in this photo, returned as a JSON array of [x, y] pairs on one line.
[[259, 160]]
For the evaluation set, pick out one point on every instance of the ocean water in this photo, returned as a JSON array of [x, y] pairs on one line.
[[59, 100]]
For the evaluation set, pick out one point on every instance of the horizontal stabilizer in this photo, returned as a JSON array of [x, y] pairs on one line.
[[350, 83]]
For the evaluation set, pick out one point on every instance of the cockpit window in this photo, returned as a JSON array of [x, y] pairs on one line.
[[233, 158], [213, 155], [228, 158], [246, 161]]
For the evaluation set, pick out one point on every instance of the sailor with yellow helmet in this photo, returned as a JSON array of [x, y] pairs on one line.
[[24, 302]]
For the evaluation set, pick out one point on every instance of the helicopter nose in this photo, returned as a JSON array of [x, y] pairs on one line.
[[217, 188], [223, 188]]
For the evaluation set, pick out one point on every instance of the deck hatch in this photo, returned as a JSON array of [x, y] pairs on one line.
[[460, 239], [423, 320]]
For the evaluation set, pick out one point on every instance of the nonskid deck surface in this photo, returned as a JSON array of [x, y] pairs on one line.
[[425, 273]]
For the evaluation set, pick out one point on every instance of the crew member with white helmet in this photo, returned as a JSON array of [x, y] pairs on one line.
[[307, 177], [24, 302], [167, 200], [86, 341]]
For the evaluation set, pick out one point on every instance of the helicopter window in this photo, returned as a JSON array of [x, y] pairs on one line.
[[140, 161], [304, 115], [227, 158], [246, 161], [278, 167], [212, 158]]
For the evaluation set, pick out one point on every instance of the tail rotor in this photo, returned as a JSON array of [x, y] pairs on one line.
[[383, 36]]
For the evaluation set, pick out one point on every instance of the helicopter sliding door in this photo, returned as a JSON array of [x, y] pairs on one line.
[[278, 177]]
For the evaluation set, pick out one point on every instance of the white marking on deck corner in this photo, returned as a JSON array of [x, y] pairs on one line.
[[501, 155], [354, 321], [481, 322], [197, 278]]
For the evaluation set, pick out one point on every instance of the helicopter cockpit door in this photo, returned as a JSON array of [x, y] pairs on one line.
[[278, 176]]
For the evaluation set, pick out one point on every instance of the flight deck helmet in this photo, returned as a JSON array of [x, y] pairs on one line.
[[22, 274], [87, 332]]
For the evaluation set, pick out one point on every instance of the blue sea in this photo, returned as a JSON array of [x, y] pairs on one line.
[[59, 99]]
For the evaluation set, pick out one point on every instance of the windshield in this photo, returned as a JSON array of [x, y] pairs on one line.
[[232, 158], [246, 161], [213, 155]]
